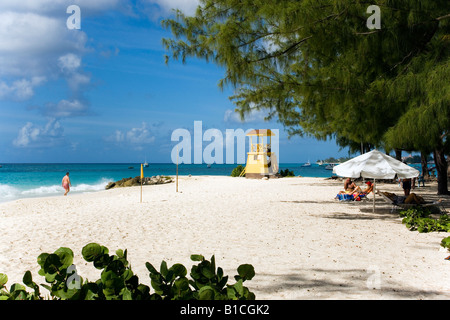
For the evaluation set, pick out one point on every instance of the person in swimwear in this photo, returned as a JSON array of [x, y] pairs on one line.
[[358, 192], [66, 183], [407, 184], [349, 185]]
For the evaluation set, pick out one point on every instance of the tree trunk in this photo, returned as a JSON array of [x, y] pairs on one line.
[[441, 168], [424, 163], [448, 167], [398, 154]]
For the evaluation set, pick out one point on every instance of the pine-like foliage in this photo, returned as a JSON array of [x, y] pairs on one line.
[[316, 67]]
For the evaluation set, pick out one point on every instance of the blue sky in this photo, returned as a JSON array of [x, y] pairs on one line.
[[104, 93]]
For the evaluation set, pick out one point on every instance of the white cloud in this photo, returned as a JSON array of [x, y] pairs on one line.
[[135, 137], [252, 116], [119, 136], [56, 6], [33, 136], [66, 108], [69, 65], [35, 43], [69, 62], [141, 135], [21, 89], [76, 80], [187, 6], [26, 134], [30, 44], [165, 7]]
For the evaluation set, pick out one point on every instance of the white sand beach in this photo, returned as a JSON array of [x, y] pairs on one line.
[[302, 243]]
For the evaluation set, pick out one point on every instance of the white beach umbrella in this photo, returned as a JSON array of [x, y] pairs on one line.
[[375, 165]]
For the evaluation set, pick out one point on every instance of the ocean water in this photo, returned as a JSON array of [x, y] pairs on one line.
[[40, 180]]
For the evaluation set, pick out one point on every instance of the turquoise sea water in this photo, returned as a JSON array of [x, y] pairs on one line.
[[38, 180]]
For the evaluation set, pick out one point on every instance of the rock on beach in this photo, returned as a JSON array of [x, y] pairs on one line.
[[136, 181]]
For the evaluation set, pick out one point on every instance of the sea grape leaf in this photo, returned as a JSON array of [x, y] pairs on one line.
[[28, 279], [91, 251], [246, 271], [206, 293], [151, 268], [3, 279], [197, 257], [65, 256], [179, 270]]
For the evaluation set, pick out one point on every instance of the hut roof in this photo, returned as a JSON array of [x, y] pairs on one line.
[[261, 132]]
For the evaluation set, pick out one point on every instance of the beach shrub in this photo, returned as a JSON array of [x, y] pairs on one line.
[[446, 243], [237, 171], [207, 283], [118, 282], [287, 173], [419, 219]]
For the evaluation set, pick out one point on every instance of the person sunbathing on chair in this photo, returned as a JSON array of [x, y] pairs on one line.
[[361, 193], [349, 186], [414, 199], [411, 199], [354, 193]]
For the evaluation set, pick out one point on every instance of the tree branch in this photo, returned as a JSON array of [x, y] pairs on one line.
[[366, 33], [443, 17], [280, 53]]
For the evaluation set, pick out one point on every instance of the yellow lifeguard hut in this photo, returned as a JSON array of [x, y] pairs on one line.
[[261, 161]]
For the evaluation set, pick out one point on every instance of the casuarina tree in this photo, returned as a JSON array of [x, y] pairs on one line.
[[322, 68]]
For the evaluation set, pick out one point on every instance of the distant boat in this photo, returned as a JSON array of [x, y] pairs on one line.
[[319, 162], [308, 164], [208, 166], [146, 164], [330, 166], [130, 167]]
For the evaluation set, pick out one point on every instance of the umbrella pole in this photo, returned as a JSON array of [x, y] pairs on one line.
[[374, 193]]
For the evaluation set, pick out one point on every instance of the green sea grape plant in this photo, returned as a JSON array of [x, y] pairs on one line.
[[445, 243], [118, 282], [237, 171], [287, 173], [420, 219], [207, 283]]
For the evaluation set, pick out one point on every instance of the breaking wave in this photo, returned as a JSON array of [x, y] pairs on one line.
[[9, 192]]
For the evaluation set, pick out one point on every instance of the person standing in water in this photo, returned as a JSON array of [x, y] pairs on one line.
[[66, 183]]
